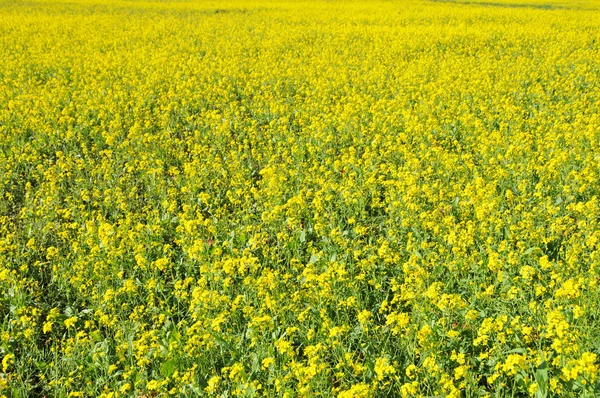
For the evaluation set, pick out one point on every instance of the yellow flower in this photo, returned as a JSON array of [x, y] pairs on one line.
[[6, 361], [383, 368], [281, 198], [268, 362], [408, 389], [532, 389], [360, 390], [527, 272], [411, 371], [70, 322], [154, 385], [47, 327], [235, 371], [514, 363], [124, 388]]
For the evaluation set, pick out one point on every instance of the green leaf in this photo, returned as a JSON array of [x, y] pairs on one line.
[[530, 250], [168, 368], [541, 377]]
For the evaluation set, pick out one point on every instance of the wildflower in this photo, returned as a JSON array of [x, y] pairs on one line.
[[383, 368], [70, 322]]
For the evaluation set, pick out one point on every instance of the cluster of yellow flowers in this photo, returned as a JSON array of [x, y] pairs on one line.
[[295, 199]]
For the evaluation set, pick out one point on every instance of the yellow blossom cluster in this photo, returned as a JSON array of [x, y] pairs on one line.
[[293, 198]]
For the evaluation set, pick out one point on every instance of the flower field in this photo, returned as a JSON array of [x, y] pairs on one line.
[[388, 198]]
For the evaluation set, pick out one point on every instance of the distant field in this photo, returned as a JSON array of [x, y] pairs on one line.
[[299, 199]]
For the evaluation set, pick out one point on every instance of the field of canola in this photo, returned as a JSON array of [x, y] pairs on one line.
[[298, 199]]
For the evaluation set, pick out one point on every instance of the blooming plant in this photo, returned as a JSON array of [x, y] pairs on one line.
[[299, 198]]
